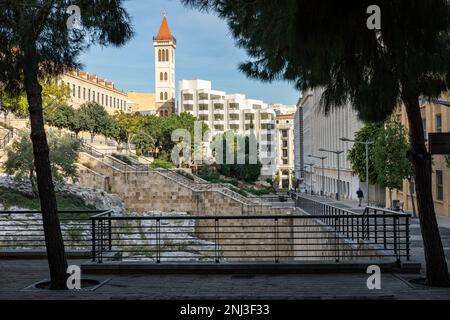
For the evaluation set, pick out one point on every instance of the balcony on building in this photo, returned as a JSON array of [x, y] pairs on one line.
[[188, 97], [203, 109], [203, 98]]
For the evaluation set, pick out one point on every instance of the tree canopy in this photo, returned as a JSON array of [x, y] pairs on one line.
[[63, 156], [357, 154]]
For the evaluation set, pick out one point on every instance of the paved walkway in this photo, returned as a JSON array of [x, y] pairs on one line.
[[18, 274]]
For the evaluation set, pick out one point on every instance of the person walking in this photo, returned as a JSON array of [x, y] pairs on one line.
[[360, 195]]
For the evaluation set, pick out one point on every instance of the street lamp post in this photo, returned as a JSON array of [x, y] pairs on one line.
[[322, 192], [310, 165], [366, 143], [338, 154]]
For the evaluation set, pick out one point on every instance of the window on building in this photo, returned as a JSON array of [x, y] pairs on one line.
[[439, 123], [106, 100], [218, 117], [218, 106], [163, 55], [285, 153], [188, 96], [285, 144], [89, 95], [73, 90], [285, 161], [284, 133], [161, 113], [439, 185], [79, 92], [234, 106], [203, 107], [424, 123], [188, 107], [161, 96], [203, 117], [165, 76], [203, 96], [165, 96], [159, 55], [93, 95], [98, 97], [166, 113], [84, 93], [110, 101], [161, 77], [103, 98], [233, 117], [167, 54], [249, 116], [115, 103]]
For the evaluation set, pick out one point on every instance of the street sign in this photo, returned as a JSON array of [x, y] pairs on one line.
[[439, 143]]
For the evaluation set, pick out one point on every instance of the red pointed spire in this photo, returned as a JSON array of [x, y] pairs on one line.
[[164, 31]]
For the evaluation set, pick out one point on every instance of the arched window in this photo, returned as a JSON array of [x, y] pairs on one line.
[[167, 54], [161, 113], [165, 76], [161, 96], [161, 76], [159, 55], [166, 113], [165, 96], [163, 55]]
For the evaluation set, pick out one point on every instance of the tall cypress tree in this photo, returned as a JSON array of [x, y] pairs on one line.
[[327, 44], [36, 42]]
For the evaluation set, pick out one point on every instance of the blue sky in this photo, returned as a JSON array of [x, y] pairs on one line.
[[205, 50]]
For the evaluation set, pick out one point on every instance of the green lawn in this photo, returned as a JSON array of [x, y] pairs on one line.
[[10, 198]]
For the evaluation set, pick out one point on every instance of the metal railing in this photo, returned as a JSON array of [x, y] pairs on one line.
[[378, 227], [23, 230], [7, 138], [224, 239]]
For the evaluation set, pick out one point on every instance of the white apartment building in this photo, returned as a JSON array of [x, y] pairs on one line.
[[85, 87], [224, 112], [320, 131], [285, 150]]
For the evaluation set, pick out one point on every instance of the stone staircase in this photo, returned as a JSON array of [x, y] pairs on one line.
[[143, 166]]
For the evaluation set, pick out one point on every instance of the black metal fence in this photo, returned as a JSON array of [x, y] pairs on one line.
[[332, 236], [378, 227], [23, 230]]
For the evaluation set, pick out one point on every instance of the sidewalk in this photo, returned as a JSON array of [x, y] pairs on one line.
[[19, 274]]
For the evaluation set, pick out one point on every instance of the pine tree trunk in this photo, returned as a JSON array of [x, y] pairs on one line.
[[53, 238], [436, 265]]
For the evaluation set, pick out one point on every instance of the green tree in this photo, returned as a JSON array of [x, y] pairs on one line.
[[63, 156], [36, 43], [390, 156], [327, 44], [95, 118], [357, 154], [127, 126], [247, 171], [143, 141], [447, 160], [60, 117]]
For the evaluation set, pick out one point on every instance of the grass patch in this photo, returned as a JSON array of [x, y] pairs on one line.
[[10, 198], [162, 164], [122, 158]]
